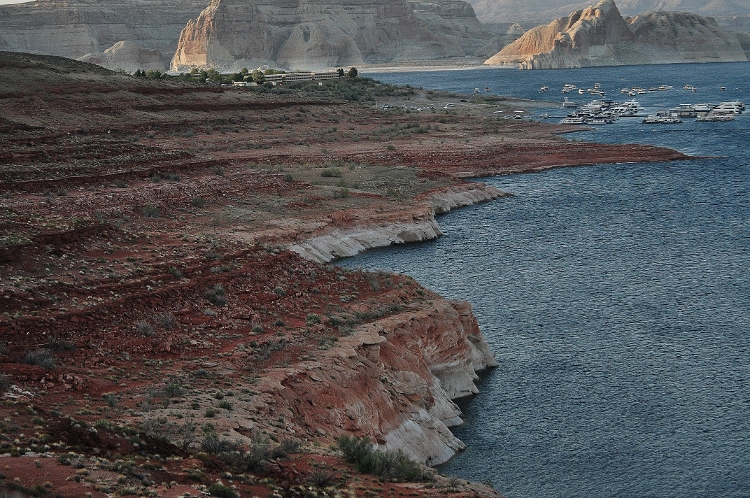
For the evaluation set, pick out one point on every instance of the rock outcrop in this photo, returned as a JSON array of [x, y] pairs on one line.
[[340, 243], [393, 380], [118, 34], [314, 34], [600, 36]]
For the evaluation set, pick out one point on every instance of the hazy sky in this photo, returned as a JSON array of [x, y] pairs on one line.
[[5, 2]]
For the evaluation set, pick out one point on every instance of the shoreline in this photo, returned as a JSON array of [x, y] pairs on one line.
[[155, 257]]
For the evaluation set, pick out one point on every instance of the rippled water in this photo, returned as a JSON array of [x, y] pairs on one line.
[[617, 300]]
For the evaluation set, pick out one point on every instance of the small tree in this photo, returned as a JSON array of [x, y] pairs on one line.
[[352, 72]]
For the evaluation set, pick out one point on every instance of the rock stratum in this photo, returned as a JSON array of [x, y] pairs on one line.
[[601, 36], [313, 34], [232, 34], [117, 34]]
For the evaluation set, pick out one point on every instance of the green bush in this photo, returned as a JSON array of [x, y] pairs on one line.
[[221, 491], [331, 173], [215, 295], [166, 321], [151, 211], [390, 465], [144, 328], [41, 357], [312, 319]]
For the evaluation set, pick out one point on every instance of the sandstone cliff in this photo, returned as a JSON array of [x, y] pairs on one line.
[[313, 34], [392, 380], [600, 36], [118, 34]]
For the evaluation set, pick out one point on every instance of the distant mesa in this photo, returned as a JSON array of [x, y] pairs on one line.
[[601, 36], [314, 34], [232, 34]]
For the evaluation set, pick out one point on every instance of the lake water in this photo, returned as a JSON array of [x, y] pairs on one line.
[[616, 299]]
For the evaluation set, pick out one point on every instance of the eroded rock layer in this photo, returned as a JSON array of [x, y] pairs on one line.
[[118, 34], [600, 36], [311, 34]]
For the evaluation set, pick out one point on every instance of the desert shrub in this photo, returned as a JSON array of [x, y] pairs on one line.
[[41, 357], [56, 344], [165, 320], [354, 449], [216, 295], [284, 448], [4, 383], [175, 273], [174, 390], [392, 465], [214, 256], [389, 465], [144, 328], [321, 479], [110, 399], [198, 202], [104, 424], [312, 319], [331, 173], [221, 491], [151, 211], [225, 405], [258, 453]]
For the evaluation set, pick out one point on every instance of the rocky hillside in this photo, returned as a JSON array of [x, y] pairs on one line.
[[600, 36], [118, 34], [231, 34]]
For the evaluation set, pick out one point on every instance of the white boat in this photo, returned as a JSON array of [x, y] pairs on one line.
[[598, 120], [573, 120], [567, 87], [712, 117], [657, 119], [735, 107], [569, 103]]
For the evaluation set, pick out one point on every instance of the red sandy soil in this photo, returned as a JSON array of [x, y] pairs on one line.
[[141, 252]]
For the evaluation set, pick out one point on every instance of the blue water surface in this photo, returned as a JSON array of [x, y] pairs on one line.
[[616, 299]]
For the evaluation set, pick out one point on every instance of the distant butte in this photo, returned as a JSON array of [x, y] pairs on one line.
[[600, 36]]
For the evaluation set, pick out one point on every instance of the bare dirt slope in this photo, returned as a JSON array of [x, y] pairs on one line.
[[148, 307]]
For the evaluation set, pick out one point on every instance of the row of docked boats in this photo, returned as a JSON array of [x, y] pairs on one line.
[[598, 112], [724, 111], [606, 111]]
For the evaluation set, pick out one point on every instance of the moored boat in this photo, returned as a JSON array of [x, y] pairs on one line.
[[660, 119]]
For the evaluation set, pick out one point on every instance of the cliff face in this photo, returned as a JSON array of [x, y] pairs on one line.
[[392, 380], [311, 34], [600, 36], [118, 34]]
